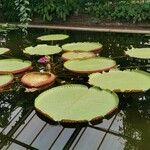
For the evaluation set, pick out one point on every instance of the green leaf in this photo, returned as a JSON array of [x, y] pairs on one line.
[[5, 80], [143, 53], [121, 81], [90, 65], [75, 103], [14, 66], [42, 49], [4, 50], [77, 55], [53, 37], [82, 46]]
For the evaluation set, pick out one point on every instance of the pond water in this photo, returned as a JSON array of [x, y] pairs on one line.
[[129, 129]]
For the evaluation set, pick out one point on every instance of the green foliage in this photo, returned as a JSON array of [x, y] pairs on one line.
[[54, 9], [24, 11], [50, 10], [120, 11], [8, 10]]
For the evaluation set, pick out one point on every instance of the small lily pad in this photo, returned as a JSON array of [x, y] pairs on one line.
[[90, 65], [5, 80], [42, 49], [4, 50], [14, 66], [148, 35], [82, 47], [141, 53], [74, 103], [53, 37], [121, 81], [77, 55], [37, 79]]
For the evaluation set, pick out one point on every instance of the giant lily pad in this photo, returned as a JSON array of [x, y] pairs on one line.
[[37, 79], [53, 37], [5, 80], [4, 50], [14, 66], [142, 53], [76, 103], [82, 47], [42, 49], [77, 55], [122, 81], [90, 65]]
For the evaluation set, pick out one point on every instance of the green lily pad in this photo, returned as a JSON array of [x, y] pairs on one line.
[[147, 35], [142, 53], [4, 50], [77, 55], [90, 65], [42, 49], [82, 46], [14, 66], [76, 103], [122, 81], [5, 80], [53, 37]]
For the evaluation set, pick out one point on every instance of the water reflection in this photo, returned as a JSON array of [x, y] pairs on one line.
[[134, 119], [133, 122]]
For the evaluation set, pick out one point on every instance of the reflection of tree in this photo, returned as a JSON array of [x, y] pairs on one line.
[[3, 38], [6, 107], [16, 97], [136, 123]]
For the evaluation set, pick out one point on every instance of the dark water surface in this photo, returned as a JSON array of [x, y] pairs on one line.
[[20, 128]]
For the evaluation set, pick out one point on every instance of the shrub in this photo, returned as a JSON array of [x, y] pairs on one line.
[[54, 9], [120, 11]]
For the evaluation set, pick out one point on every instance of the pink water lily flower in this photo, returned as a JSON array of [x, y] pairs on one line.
[[44, 60]]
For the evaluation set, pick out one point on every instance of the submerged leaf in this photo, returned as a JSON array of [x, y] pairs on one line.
[[14, 66], [76, 103], [82, 46], [42, 49], [53, 37], [90, 65], [121, 81]]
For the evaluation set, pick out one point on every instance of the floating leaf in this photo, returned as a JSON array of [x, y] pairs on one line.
[[147, 35], [121, 81], [90, 65], [5, 80], [42, 49], [82, 46], [142, 53], [77, 55], [53, 37], [76, 103], [37, 79], [14, 66], [4, 50]]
